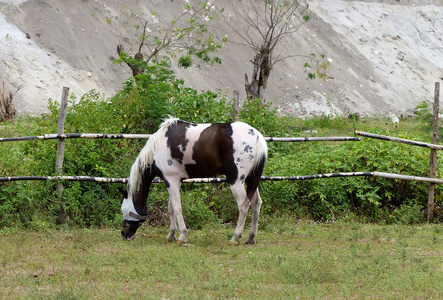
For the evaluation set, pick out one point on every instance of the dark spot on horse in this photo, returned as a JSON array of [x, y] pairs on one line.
[[170, 163], [251, 132], [251, 157], [238, 159], [242, 178], [247, 148], [177, 141]]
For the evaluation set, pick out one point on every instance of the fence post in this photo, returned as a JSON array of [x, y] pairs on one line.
[[236, 105], [433, 158], [61, 149]]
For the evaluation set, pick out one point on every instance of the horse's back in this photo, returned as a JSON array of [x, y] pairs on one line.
[[204, 150]]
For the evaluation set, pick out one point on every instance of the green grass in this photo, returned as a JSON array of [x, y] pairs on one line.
[[292, 259]]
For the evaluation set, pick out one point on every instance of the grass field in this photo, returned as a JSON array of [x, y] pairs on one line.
[[292, 259]]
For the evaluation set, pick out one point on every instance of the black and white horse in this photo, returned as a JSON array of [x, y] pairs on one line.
[[180, 150]]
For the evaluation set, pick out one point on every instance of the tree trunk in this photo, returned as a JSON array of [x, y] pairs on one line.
[[253, 88], [260, 75], [135, 70]]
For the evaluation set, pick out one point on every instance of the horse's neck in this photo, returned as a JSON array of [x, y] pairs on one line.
[[140, 195]]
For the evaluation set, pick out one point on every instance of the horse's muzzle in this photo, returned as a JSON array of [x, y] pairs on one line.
[[129, 228]]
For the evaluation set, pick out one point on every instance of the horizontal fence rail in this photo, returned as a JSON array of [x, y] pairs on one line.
[[77, 136], [222, 179], [313, 139], [65, 178], [215, 180], [398, 140], [147, 136]]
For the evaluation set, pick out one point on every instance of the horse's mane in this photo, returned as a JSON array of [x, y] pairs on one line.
[[146, 156]]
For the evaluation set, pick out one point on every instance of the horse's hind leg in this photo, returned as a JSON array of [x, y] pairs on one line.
[[255, 206], [173, 224], [238, 190]]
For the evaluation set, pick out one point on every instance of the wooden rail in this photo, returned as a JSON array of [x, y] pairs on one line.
[[222, 179]]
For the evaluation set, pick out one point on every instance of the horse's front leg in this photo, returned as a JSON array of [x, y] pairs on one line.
[[173, 224], [176, 207]]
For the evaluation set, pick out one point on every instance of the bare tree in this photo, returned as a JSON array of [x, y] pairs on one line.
[[266, 24], [187, 37]]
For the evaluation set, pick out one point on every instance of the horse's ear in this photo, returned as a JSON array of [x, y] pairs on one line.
[[123, 191]]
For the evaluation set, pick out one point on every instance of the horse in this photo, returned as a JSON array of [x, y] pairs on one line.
[[181, 150]]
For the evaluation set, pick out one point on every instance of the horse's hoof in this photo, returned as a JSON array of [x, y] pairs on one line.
[[251, 239], [171, 238], [234, 242], [183, 243]]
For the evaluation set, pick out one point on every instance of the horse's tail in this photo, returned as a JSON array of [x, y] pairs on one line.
[[260, 156], [146, 156]]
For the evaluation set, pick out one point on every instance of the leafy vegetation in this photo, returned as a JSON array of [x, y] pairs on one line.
[[189, 37], [140, 107]]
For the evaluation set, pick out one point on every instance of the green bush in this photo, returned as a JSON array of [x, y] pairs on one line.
[[140, 108], [143, 104], [408, 214], [324, 199]]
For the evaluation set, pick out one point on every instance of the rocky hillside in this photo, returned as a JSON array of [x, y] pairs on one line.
[[385, 55]]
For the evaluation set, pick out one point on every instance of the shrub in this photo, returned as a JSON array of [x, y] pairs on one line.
[[142, 105], [325, 199], [140, 108], [408, 214]]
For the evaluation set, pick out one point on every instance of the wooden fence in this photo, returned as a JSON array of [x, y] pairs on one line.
[[61, 136]]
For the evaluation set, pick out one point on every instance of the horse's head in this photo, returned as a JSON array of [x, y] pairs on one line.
[[131, 218]]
